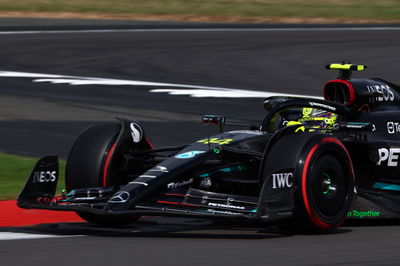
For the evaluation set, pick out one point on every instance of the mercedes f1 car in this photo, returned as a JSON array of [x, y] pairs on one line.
[[310, 164]]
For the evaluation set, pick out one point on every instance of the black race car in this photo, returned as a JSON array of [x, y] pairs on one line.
[[309, 165]]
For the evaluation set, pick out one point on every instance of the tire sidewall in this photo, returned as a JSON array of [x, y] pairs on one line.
[[88, 166], [86, 160], [306, 210]]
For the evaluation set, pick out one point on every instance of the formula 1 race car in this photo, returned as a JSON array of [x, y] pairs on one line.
[[309, 165]]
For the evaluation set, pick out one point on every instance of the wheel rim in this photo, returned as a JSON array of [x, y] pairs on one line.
[[328, 187]]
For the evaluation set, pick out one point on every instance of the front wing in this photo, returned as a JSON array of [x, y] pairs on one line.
[[39, 193]]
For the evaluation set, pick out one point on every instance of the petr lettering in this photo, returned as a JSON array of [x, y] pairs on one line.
[[390, 156]]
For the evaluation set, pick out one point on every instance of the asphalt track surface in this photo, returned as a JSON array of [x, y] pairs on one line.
[[37, 118]]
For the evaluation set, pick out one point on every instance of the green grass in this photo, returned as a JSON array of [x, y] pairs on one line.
[[349, 9], [15, 170]]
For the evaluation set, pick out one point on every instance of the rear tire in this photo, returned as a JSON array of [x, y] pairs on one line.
[[86, 167], [325, 188], [322, 188]]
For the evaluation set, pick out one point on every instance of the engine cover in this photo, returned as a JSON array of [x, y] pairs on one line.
[[363, 94]]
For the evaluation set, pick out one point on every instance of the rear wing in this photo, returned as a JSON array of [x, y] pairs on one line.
[[345, 69]]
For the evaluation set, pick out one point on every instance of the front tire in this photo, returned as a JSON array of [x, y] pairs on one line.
[[87, 166]]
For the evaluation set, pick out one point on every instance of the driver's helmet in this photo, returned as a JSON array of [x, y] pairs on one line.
[[314, 119]]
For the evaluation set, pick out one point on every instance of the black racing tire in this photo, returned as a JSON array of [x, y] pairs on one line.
[[325, 181], [86, 167]]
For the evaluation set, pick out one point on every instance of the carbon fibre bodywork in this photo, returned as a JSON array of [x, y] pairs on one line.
[[273, 173]]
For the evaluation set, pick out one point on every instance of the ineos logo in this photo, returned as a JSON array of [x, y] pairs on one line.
[[384, 90], [44, 176]]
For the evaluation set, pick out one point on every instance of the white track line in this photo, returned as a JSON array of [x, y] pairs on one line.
[[22, 236], [394, 28], [155, 87]]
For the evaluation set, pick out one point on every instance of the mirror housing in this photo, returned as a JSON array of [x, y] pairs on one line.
[[214, 119]]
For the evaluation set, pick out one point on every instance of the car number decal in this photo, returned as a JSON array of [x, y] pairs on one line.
[[215, 141]]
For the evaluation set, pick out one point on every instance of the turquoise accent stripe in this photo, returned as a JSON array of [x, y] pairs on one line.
[[386, 186], [226, 170]]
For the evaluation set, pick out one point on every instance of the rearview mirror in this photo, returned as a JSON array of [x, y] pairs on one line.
[[214, 119]]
